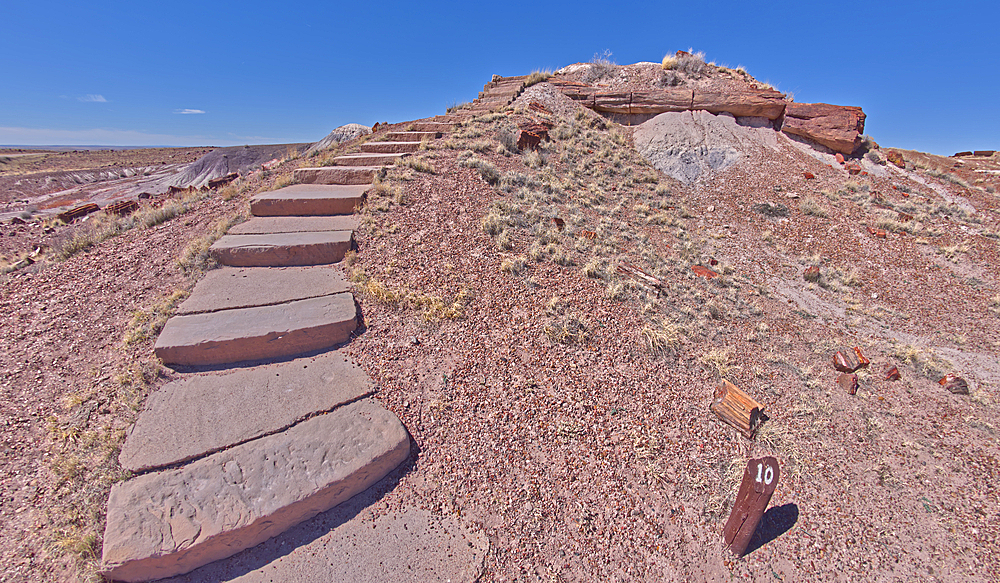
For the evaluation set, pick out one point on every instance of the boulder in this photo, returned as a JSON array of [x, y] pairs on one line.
[[837, 127], [896, 158]]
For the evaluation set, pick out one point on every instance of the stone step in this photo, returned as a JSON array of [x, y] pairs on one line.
[[309, 200], [199, 415], [389, 147], [431, 126], [368, 159], [282, 249], [263, 225], [230, 288], [411, 136], [348, 543], [267, 332], [336, 175], [171, 522]]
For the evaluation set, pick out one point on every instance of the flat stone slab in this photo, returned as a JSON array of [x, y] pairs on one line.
[[348, 544], [229, 288], [264, 225], [309, 200], [199, 415], [336, 175], [390, 147], [282, 249], [267, 332], [411, 136], [368, 159], [431, 126], [171, 522]]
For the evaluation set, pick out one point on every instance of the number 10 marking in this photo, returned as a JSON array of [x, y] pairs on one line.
[[768, 474]]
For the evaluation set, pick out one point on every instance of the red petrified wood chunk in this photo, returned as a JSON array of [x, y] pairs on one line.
[[853, 169], [737, 408], [840, 158], [760, 478], [862, 361], [811, 273], [896, 158], [528, 140], [892, 374], [846, 361], [849, 381], [955, 384], [702, 271], [809, 175]]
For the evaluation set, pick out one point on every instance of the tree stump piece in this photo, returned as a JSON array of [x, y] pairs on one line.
[[760, 478], [736, 408]]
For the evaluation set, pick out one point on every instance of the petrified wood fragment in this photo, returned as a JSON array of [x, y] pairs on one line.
[[736, 408]]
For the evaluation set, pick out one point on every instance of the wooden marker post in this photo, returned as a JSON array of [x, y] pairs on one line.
[[760, 478]]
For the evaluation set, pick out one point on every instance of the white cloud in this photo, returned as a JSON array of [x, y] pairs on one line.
[[102, 137], [188, 111], [93, 99]]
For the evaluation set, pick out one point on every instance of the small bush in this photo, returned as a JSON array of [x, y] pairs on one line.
[[513, 265], [537, 77], [809, 206], [692, 63], [771, 210]]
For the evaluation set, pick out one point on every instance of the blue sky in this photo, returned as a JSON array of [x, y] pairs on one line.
[[209, 73]]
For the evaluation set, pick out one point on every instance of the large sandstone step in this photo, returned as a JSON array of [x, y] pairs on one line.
[[199, 415], [265, 225], [170, 522], [336, 175], [390, 147], [411, 136], [282, 249], [309, 200], [431, 126], [230, 288], [266, 332], [368, 159]]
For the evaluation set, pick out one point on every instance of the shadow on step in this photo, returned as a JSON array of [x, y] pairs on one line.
[[310, 532]]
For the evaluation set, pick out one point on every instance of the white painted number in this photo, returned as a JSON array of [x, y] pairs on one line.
[[768, 474]]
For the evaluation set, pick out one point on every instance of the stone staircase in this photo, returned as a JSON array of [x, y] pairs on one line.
[[283, 426]]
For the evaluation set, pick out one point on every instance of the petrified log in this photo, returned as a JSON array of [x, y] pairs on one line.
[[736, 408], [222, 180], [661, 101], [984, 153], [961, 154], [78, 212], [122, 208], [613, 102], [760, 478], [837, 127], [769, 104], [579, 92]]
